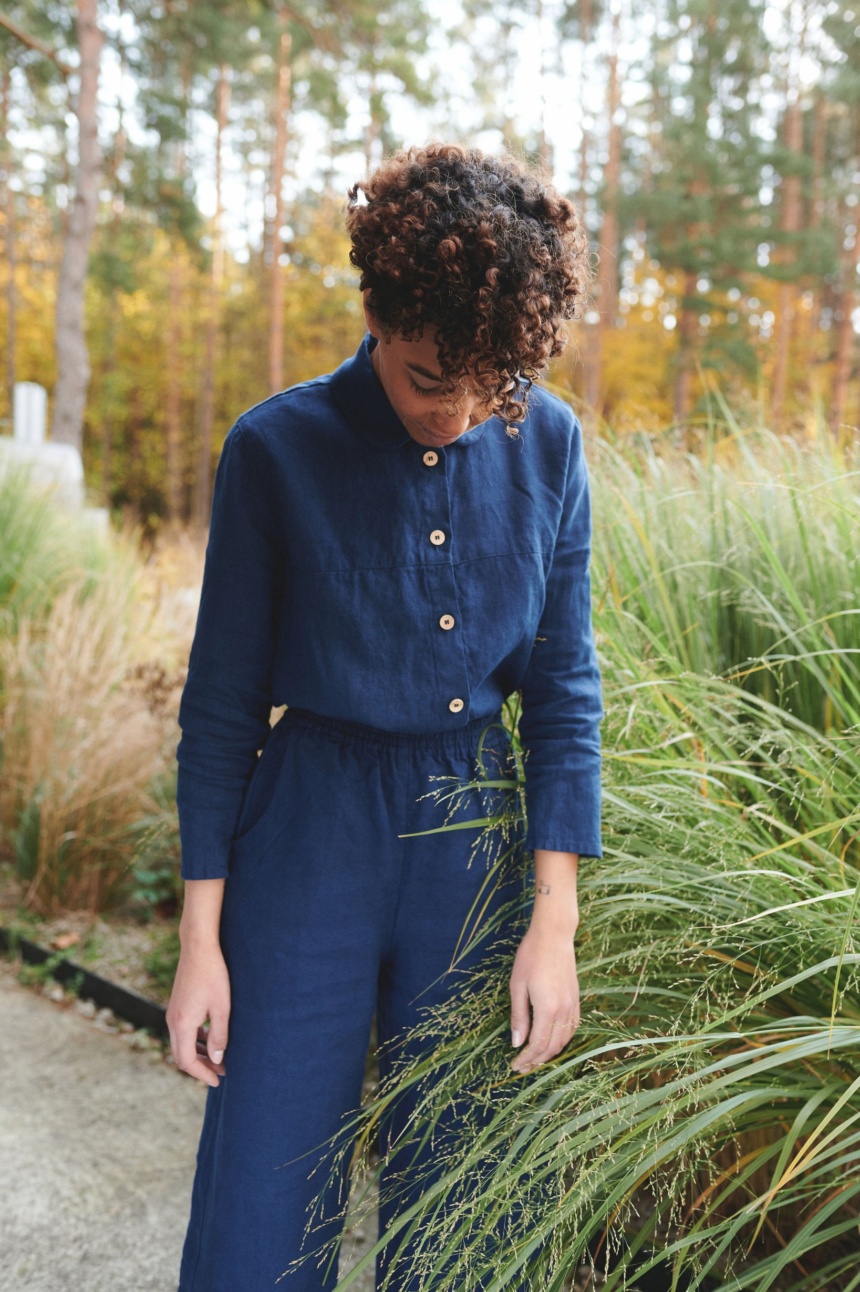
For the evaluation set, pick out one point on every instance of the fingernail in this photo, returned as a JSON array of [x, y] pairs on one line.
[[516, 1038], [217, 1056]]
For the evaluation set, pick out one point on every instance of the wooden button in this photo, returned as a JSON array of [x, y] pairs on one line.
[[437, 537], [431, 458], [455, 705], [447, 621]]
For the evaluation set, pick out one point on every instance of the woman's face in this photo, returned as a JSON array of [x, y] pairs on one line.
[[410, 376]]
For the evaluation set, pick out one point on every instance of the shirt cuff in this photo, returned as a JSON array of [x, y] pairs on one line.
[[565, 815], [207, 820]]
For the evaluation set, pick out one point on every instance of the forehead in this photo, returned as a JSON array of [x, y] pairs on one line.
[[420, 355]]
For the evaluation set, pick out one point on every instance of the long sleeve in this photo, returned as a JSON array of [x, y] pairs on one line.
[[227, 698], [562, 702]]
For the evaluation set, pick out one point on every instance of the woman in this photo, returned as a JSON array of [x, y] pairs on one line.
[[395, 548]]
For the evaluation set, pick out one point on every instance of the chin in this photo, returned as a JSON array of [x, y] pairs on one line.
[[441, 435]]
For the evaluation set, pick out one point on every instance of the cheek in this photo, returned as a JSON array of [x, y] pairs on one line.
[[417, 406]]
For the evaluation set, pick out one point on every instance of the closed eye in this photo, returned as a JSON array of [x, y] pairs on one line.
[[422, 390]]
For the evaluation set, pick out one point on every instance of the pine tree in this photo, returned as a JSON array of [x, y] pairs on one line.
[[702, 213]]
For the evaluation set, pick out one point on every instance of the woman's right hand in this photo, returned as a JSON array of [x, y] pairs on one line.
[[201, 990]]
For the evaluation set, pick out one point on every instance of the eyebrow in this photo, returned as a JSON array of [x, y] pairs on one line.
[[424, 372]]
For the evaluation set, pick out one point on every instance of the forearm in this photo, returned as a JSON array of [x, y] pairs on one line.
[[555, 899], [200, 922]]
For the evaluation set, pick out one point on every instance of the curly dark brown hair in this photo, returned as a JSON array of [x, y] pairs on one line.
[[481, 248]]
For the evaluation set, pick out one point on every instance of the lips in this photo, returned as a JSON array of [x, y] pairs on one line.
[[444, 439], [441, 437]]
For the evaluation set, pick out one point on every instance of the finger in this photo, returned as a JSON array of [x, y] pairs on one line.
[[520, 1013], [562, 1034], [548, 1039], [539, 1038], [183, 1043], [217, 1038], [202, 1046], [202, 1070], [563, 1030]]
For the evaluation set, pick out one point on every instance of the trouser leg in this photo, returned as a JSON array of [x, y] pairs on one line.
[[323, 901], [305, 909], [442, 899]]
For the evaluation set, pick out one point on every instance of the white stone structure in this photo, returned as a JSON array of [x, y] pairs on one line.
[[57, 467]]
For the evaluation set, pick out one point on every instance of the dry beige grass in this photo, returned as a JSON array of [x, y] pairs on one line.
[[90, 678], [83, 737], [170, 582]]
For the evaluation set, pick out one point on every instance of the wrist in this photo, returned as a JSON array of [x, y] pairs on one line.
[[198, 937], [554, 920], [555, 910], [200, 920]]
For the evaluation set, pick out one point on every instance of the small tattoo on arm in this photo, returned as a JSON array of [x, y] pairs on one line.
[[543, 888]]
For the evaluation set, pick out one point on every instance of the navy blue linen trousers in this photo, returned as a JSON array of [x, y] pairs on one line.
[[330, 914]]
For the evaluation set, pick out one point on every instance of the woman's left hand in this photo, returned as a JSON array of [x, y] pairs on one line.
[[544, 975]]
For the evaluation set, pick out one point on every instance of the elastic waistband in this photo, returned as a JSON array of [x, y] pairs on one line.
[[348, 732]]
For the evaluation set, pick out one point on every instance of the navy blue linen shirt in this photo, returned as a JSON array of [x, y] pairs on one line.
[[339, 551]]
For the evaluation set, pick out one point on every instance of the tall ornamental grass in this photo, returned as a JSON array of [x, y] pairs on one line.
[[744, 562], [85, 738], [705, 1118], [42, 547]]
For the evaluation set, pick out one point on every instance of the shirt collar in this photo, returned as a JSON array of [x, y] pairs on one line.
[[361, 397]]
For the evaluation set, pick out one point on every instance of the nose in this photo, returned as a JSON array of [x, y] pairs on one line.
[[452, 425], [466, 415]]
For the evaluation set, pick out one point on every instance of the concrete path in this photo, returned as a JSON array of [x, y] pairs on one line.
[[97, 1145]]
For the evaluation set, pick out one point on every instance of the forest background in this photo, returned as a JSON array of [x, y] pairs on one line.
[[711, 151]]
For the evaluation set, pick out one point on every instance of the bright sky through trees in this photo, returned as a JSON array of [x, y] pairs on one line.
[[712, 153]]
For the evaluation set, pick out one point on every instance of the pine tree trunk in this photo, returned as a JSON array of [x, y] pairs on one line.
[[110, 365], [374, 125], [134, 510], [687, 332], [276, 277], [846, 303], [789, 225], [815, 213], [582, 113], [173, 406], [176, 294], [73, 364], [203, 479], [688, 329], [545, 149], [7, 199], [608, 250]]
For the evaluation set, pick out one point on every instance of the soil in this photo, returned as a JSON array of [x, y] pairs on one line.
[[136, 950]]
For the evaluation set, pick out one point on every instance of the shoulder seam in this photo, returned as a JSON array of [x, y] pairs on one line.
[[288, 390]]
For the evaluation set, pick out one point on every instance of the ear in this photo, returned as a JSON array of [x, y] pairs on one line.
[[369, 318]]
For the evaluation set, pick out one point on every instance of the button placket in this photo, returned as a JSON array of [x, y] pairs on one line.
[[442, 587]]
